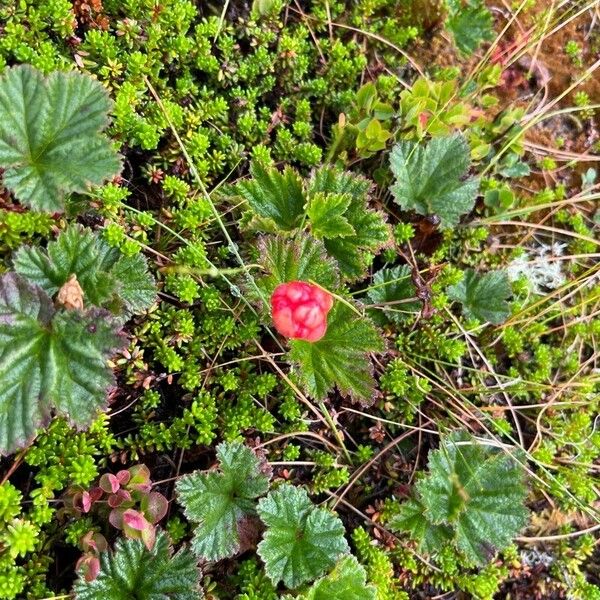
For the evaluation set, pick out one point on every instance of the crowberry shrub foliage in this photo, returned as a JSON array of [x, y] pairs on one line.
[[300, 310]]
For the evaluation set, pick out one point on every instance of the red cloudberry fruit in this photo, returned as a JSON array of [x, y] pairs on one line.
[[300, 310]]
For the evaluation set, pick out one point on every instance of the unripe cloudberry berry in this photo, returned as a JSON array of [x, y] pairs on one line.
[[300, 310]]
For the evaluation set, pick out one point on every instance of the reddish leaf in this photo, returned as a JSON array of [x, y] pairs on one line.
[[149, 536], [83, 501], [140, 479], [154, 506], [86, 502], [122, 496], [96, 493], [136, 527], [133, 519], [115, 518], [94, 541], [123, 476], [89, 565], [109, 483]]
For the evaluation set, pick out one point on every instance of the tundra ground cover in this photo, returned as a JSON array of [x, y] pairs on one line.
[[299, 299]]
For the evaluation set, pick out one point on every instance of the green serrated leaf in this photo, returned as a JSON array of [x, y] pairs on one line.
[[347, 581], [410, 518], [135, 285], [353, 252], [218, 500], [133, 571], [329, 180], [394, 293], [108, 278], [274, 195], [473, 495], [49, 360], [340, 358], [326, 211], [470, 23], [74, 251], [50, 140], [333, 202], [301, 259], [429, 178], [483, 297], [301, 541]]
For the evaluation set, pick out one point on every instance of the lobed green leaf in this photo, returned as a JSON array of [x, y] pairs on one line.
[[50, 136], [473, 496], [429, 178], [302, 259], [352, 251], [483, 297], [219, 501], [470, 23], [108, 279], [347, 581], [274, 195], [340, 358], [394, 295], [49, 360], [132, 571], [301, 541], [326, 215]]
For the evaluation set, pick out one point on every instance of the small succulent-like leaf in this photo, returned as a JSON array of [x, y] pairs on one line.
[[347, 581], [429, 178], [275, 195], [218, 501], [122, 284], [326, 214], [340, 358], [133, 571], [483, 297], [49, 361], [473, 495], [393, 293], [302, 541], [50, 140]]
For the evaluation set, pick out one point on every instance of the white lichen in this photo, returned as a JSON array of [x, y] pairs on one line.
[[540, 267]]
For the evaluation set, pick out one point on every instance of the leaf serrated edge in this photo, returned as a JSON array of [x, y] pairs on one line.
[[121, 340], [376, 394], [44, 79]]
